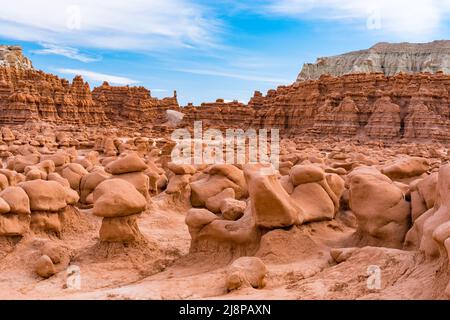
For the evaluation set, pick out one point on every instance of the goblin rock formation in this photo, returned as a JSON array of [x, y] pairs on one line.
[[388, 58], [133, 104], [88, 184], [30, 95], [369, 106], [363, 105]]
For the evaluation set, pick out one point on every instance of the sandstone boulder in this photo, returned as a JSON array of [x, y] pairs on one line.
[[45, 195], [271, 204], [44, 267], [17, 199], [406, 168], [117, 198], [126, 163], [232, 209], [213, 203], [246, 272], [379, 205]]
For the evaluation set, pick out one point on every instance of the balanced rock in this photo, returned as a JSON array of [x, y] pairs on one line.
[[118, 203], [117, 198]]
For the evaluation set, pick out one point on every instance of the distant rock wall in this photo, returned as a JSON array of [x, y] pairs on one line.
[[388, 58], [411, 106], [31, 95], [133, 104], [11, 56]]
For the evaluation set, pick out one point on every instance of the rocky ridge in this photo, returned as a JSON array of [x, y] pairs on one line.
[[11, 56], [357, 105], [31, 95], [388, 58], [366, 106]]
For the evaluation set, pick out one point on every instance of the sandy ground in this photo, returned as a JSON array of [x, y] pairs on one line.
[[298, 261]]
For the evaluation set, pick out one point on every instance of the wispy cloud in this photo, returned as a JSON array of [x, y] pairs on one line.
[[411, 20], [112, 24], [68, 52], [96, 76], [234, 75]]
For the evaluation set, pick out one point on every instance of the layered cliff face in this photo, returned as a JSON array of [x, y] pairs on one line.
[[27, 95], [11, 56], [388, 58], [413, 106], [31, 95], [219, 114], [133, 104], [362, 105]]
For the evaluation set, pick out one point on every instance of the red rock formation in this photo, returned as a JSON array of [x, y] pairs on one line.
[[219, 114], [411, 106], [341, 119], [31, 95], [323, 106], [423, 123], [133, 104], [371, 105], [27, 95], [385, 119]]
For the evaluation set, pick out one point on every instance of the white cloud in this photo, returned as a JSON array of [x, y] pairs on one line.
[[68, 52], [235, 75], [410, 19], [95, 76], [112, 24]]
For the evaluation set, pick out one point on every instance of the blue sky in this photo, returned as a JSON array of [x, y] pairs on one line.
[[208, 49]]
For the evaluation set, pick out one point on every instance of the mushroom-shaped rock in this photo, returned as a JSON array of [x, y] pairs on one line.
[[126, 163], [45, 195], [219, 239], [117, 198], [246, 272]]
